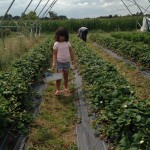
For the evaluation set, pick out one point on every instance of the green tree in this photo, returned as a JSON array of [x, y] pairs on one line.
[[53, 15], [62, 17], [24, 16], [31, 15]]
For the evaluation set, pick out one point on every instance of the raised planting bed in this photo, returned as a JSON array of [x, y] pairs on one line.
[[122, 118], [136, 52], [17, 99]]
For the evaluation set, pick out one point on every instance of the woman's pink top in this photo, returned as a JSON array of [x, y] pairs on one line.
[[63, 53]]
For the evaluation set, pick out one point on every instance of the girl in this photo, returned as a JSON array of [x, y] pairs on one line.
[[61, 58]]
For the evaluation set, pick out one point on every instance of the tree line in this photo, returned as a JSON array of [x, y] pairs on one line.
[[53, 16], [33, 15]]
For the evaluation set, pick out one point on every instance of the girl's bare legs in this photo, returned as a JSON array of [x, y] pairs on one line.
[[58, 84], [65, 74]]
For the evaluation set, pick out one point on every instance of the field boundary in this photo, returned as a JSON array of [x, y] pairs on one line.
[[86, 138], [146, 74]]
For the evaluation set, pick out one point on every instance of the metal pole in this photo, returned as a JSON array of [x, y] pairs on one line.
[[39, 30], [36, 29], [16, 26], [2, 36], [35, 10], [126, 7], [31, 32], [144, 12], [146, 9], [25, 10], [38, 18], [41, 12], [27, 7], [53, 3], [7, 10], [37, 5], [49, 8], [138, 6]]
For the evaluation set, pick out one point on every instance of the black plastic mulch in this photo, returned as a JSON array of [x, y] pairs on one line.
[[145, 73], [86, 138]]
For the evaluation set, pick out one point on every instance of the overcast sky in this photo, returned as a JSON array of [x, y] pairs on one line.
[[74, 8]]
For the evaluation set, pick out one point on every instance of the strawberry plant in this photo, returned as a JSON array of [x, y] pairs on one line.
[[132, 36], [137, 52], [16, 105], [121, 116], [12, 118]]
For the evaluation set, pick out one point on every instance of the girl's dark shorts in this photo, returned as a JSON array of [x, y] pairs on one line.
[[63, 66]]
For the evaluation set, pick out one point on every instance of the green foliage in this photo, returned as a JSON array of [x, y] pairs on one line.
[[133, 36], [16, 105], [121, 116], [12, 118], [72, 25], [105, 24], [52, 14], [31, 15], [6, 32], [136, 52]]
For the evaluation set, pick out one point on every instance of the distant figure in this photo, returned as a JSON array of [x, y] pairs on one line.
[[82, 33]]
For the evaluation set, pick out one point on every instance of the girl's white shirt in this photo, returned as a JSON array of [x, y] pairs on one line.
[[63, 53]]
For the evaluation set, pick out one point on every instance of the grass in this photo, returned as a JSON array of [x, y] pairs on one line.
[[15, 46], [140, 84], [54, 127]]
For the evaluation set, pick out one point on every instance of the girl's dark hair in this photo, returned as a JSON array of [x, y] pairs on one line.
[[62, 32]]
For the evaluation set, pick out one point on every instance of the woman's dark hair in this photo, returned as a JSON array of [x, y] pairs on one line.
[[62, 32]]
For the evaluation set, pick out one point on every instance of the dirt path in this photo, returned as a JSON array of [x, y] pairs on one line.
[[54, 126], [86, 138]]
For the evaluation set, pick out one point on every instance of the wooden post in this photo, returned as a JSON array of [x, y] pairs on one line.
[[2, 35], [39, 30], [31, 31], [36, 30]]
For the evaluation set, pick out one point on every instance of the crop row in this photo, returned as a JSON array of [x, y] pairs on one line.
[[133, 36], [16, 85], [105, 24], [136, 52], [121, 116]]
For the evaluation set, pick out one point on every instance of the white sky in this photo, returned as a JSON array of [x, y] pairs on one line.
[[74, 8]]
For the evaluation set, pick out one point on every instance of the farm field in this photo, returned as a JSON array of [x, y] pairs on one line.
[[74, 75], [140, 83], [104, 24], [16, 91], [116, 92], [133, 46], [119, 111], [55, 125], [15, 46]]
